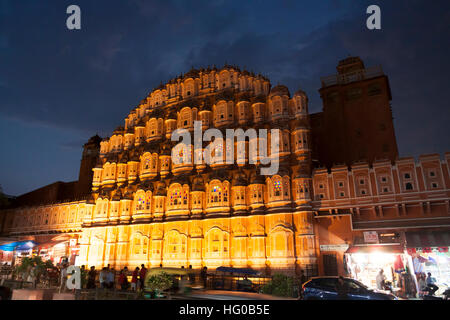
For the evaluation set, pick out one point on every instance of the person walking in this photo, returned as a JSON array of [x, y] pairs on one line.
[[110, 278], [191, 275], [103, 278], [123, 280], [83, 274], [134, 278], [62, 286], [142, 275], [301, 280], [203, 276], [91, 278], [381, 279]]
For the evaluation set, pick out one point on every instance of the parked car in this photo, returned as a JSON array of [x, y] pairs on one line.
[[324, 288]]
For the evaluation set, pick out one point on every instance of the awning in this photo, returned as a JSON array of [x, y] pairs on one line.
[[376, 249], [19, 245], [427, 239], [237, 271], [49, 244]]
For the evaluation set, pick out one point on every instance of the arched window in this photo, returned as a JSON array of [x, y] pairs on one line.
[[185, 118], [139, 200], [216, 194], [217, 244], [277, 188], [139, 244], [175, 197], [178, 196], [175, 245], [280, 241], [96, 251]]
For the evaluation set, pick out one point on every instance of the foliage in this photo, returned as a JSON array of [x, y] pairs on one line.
[[160, 282], [40, 267], [280, 285]]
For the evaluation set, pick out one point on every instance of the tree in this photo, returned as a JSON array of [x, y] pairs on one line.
[[159, 282], [280, 285]]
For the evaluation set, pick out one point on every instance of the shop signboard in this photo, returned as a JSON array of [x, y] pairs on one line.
[[334, 247], [370, 237]]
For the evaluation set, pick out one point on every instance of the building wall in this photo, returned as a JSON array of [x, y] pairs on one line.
[[356, 122], [255, 241]]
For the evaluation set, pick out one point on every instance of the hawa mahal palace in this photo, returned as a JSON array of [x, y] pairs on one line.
[[339, 177]]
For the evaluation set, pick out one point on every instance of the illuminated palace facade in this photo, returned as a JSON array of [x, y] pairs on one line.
[[143, 208]]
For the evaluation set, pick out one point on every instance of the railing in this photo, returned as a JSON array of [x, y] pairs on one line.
[[359, 75]]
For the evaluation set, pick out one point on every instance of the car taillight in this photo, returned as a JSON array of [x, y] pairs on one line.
[[303, 286]]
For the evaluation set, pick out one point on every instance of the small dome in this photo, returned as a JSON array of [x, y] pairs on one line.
[[300, 92], [117, 196], [160, 189], [193, 73], [165, 150], [128, 195], [279, 90], [134, 158], [124, 159], [257, 179], [141, 123], [198, 184], [240, 180]]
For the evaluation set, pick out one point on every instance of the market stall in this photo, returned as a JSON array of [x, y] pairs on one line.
[[430, 253], [364, 262]]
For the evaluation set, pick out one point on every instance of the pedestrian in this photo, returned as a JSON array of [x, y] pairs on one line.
[[92, 275], [62, 286], [134, 278], [123, 280], [301, 280], [203, 276], [191, 275], [110, 278], [431, 286], [381, 279], [341, 289], [421, 283], [103, 278], [83, 274], [142, 274]]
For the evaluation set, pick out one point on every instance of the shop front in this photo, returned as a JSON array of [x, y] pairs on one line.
[[364, 262], [429, 251], [59, 250], [12, 253]]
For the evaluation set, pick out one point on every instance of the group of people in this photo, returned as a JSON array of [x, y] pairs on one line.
[[427, 284], [107, 278]]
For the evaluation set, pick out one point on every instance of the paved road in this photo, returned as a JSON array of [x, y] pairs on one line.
[[232, 295]]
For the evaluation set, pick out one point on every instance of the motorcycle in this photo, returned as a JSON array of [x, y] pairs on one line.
[[429, 296]]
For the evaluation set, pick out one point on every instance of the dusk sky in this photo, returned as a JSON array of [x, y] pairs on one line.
[[58, 87]]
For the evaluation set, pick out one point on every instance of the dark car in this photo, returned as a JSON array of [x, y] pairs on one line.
[[324, 288]]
